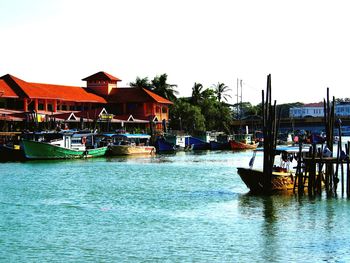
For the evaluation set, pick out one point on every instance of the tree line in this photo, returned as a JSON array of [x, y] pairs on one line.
[[207, 109]]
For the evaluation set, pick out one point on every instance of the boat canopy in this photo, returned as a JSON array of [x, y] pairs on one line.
[[128, 135]]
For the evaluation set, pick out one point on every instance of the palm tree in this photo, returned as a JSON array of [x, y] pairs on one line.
[[197, 95], [141, 83], [162, 88], [220, 90]]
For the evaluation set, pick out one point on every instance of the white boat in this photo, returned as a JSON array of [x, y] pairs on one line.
[[130, 144]]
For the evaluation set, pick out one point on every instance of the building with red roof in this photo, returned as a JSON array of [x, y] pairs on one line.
[[101, 91]]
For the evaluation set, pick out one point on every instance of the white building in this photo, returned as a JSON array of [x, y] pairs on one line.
[[317, 110]]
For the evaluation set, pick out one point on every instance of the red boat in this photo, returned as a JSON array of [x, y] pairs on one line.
[[236, 145], [243, 142]]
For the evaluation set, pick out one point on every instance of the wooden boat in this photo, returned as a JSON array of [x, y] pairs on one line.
[[235, 145], [215, 145], [131, 144], [243, 142], [11, 153], [66, 146], [162, 145], [10, 149], [196, 144], [281, 180]]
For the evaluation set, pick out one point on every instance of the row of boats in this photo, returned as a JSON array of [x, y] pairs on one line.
[[84, 144]]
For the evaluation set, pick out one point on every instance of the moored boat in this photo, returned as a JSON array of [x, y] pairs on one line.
[[11, 153], [130, 144], [196, 144], [215, 145], [64, 146], [243, 142], [242, 145], [162, 145], [282, 179]]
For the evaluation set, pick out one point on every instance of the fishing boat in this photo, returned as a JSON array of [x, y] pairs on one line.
[[65, 145], [130, 144], [10, 149], [220, 141], [196, 144], [162, 145], [171, 143], [11, 152], [243, 142], [216, 145], [283, 178]]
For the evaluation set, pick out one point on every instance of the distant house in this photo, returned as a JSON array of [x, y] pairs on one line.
[[124, 104], [317, 110]]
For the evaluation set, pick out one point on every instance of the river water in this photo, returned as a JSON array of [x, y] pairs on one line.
[[188, 207]]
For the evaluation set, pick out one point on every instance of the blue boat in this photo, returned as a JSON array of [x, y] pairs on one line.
[[163, 145], [196, 144], [219, 145]]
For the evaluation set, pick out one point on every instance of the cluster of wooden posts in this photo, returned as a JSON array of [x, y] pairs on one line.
[[317, 169], [320, 168]]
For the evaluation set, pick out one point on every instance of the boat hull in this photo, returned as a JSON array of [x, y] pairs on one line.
[[254, 180], [196, 144], [235, 145], [131, 150], [219, 145], [10, 154], [42, 150], [164, 146]]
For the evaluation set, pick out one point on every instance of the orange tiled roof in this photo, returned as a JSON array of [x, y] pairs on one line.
[[68, 93], [121, 95], [6, 91], [101, 76], [157, 97], [50, 91]]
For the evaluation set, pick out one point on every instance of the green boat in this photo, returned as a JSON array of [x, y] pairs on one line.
[[69, 146]]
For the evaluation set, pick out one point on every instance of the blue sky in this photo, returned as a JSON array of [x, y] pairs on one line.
[[303, 44]]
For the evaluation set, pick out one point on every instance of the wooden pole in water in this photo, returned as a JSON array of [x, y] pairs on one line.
[[347, 150], [270, 135]]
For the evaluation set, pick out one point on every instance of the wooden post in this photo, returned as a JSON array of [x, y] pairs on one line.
[[270, 131]]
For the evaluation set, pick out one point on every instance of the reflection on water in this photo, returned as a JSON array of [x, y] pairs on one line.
[[163, 208]]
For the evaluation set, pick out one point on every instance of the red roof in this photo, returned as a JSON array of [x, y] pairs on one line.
[[6, 91], [157, 97], [50, 91], [121, 95], [68, 93], [317, 104], [101, 76]]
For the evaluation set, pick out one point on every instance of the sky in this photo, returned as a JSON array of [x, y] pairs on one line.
[[303, 44]]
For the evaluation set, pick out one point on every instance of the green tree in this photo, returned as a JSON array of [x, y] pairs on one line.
[[163, 89], [208, 94], [197, 95], [141, 83], [218, 116], [187, 117], [220, 90]]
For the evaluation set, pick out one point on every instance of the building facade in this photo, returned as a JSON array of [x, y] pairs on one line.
[[123, 104], [317, 110]]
